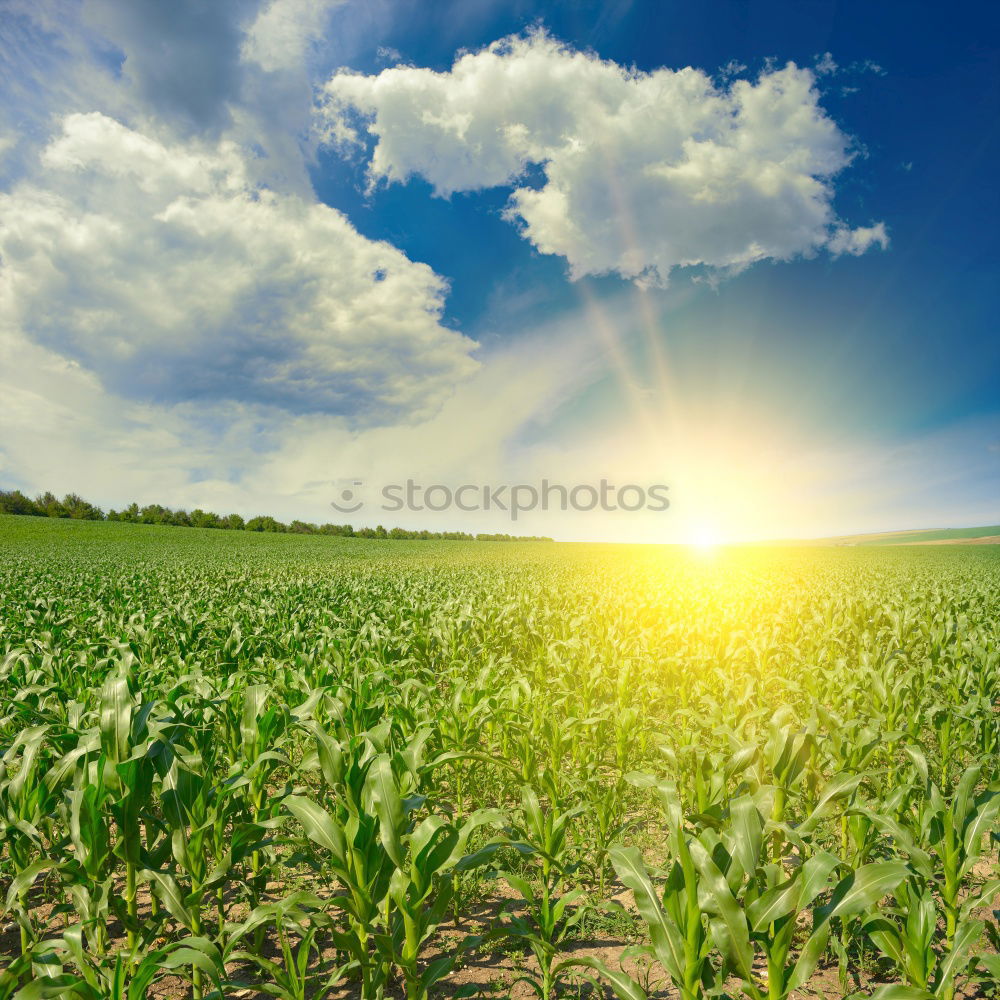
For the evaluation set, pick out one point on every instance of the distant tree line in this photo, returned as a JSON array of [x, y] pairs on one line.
[[76, 508]]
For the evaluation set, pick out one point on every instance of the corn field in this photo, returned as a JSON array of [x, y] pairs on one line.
[[310, 767]]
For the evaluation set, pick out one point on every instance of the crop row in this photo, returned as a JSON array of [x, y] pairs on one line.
[[267, 767]]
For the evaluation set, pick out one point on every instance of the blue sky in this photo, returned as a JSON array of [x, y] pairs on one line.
[[745, 249]]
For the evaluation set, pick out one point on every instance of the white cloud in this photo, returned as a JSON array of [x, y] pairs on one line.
[[242, 72], [739, 467], [387, 54], [167, 273], [825, 64], [643, 172], [51, 67], [64, 431], [857, 241], [282, 32], [181, 322]]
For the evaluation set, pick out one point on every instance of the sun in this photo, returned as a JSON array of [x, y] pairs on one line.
[[704, 538]]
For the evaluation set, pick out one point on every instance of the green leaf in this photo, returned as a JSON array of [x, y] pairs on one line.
[[748, 832], [812, 951], [55, 986], [331, 756], [814, 875], [901, 992], [963, 799], [838, 787], [116, 717], [24, 880], [665, 935], [437, 970], [863, 888], [319, 826], [168, 891], [195, 952], [736, 941], [623, 985], [887, 938], [965, 937], [774, 904], [992, 965], [919, 760], [31, 740], [978, 824], [903, 841], [388, 805], [983, 896], [253, 701], [523, 886]]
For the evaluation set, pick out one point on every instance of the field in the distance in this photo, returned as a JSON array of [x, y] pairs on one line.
[[245, 764], [989, 535]]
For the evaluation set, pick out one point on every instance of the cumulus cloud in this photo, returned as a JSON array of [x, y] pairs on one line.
[[187, 70], [172, 277], [283, 30], [64, 431], [643, 172]]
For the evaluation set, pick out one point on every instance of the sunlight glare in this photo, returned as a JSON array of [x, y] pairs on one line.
[[704, 538]]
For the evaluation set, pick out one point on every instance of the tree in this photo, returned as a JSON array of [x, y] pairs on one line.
[[265, 523], [15, 502], [154, 514], [204, 518], [51, 506], [79, 509]]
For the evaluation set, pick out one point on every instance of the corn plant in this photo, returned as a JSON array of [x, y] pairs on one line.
[[219, 747], [65, 968], [298, 921], [753, 908], [942, 840], [129, 759], [27, 804], [394, 872], [540, 836], [678, 929]]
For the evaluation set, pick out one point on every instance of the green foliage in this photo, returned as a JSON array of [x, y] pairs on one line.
[[75, 507], [267, 760]]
